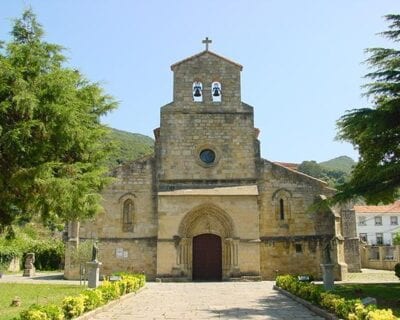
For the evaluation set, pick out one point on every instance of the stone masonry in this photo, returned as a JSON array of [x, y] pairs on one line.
[[206, 205]]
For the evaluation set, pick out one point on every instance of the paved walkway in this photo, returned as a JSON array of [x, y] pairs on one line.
[[218, 300]]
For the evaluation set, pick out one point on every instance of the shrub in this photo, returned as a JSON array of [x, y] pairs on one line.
[[397, 270], [33, 314], [109, 290], [48, 254], [42, 312], [89, 299], [345, 309], [380, 314], [93, 299], [73, 306]]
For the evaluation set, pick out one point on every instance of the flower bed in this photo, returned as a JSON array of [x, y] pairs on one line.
[[90, 299], [345, 309]]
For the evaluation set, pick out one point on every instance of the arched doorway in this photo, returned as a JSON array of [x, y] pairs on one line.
[[207, 257]]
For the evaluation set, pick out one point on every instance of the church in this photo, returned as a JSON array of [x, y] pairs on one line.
[[205, 206]]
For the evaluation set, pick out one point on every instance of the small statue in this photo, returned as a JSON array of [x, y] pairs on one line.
[[95, 251], [327, 253]]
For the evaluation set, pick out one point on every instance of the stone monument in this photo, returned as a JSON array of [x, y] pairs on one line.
[[93, 268], [327, 268], [29, 269]]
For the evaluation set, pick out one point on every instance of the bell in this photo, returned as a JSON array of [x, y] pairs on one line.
[[197, 92], [216, 92]]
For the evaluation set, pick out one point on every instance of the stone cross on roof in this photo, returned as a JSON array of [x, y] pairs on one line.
[[206, 41]]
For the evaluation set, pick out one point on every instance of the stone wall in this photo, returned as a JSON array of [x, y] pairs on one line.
[[124, 249], [184, 135], [379, 257], [293, 244]]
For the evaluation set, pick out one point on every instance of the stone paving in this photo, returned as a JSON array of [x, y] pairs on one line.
[[218, 300]]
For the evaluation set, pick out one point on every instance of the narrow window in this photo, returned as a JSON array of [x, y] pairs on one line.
[[299, 248], [197, 91], [394, 221], [281, 209], [216, 91], [127, 219]]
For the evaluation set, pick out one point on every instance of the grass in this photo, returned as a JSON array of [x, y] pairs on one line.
[[387, 295], [30, 294]]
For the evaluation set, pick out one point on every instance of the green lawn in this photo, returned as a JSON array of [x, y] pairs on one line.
[[387, 295], [30, 294]]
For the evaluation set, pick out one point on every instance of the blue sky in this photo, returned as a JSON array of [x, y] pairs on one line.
[[302, 59]]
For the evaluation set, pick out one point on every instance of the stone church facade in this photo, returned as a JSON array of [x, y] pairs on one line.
[[206, 206]]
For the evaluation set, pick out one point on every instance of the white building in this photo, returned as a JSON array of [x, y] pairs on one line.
[[377, 225]]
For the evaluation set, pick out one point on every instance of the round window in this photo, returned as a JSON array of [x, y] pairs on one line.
[[207, 156]]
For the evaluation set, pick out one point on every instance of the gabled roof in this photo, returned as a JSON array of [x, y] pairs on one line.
[[203, 53], [390, 208]]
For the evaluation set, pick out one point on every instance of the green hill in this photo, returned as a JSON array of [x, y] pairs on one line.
[[129, 146], [343, 163], [335, 171]]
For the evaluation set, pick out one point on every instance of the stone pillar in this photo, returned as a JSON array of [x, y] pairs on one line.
[[29, 269], [93, 272], [327, 275]]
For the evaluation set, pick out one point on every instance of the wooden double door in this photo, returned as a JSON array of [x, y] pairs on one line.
[[207, 258]]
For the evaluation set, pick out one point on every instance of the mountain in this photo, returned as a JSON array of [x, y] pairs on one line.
[[128, 146], [342, 163], [335, 171]]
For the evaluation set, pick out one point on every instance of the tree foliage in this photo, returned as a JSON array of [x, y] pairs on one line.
[[375, 131], [51, 138], [334, 177]]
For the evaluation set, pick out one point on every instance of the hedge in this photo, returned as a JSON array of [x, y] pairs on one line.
[[346, 309], [90, 299]]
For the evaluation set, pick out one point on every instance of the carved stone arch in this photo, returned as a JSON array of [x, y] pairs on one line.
[[206, 218], [128, 195], [282, 203]]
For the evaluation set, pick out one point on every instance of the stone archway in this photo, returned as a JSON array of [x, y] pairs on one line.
[[202, 220]]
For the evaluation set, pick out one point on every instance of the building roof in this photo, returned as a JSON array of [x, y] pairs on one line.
[[289, 165], [206, 52], [390, 208]]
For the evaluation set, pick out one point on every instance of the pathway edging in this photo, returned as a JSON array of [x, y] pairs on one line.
[[88, 315]]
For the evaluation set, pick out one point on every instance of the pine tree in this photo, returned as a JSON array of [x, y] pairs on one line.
[[51, 149], [375, 131]]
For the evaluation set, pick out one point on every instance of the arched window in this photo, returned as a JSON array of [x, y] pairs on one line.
[[197, 91], [127, 216], [281, 200], [281, 209], [216, 91]]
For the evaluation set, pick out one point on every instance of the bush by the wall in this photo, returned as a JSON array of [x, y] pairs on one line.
[[48, 254], [345, 309]]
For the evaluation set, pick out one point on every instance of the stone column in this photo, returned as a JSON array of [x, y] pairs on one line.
[[327, 275], [93, 272]]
